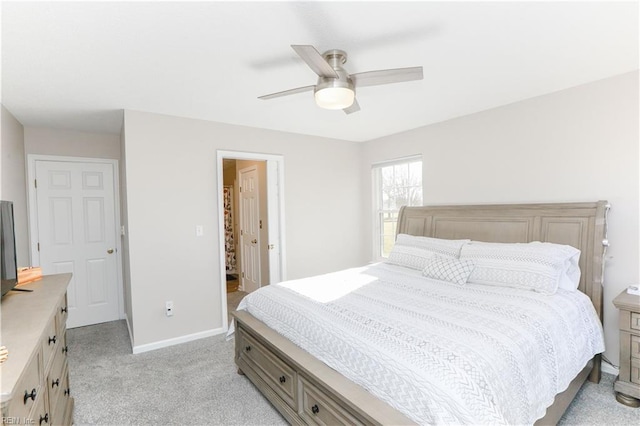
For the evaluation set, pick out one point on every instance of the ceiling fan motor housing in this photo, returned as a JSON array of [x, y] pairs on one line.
[[335, 58]]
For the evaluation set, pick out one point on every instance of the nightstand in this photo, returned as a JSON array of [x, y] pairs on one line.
[[627, 384]]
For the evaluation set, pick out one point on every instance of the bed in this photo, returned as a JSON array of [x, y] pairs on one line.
[[376, 350]]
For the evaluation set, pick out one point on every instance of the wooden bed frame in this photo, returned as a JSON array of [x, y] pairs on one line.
[[307, 391]]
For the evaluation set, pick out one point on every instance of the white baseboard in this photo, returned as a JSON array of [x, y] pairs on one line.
[[176, 340], [126, 318], [608, 368]]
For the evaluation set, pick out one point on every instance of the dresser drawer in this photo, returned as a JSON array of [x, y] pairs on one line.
[[62, 312], [40, 413], [55, 378], [635, 371], [635, 321], [28, 390], [58, 397], [49, 343], [66, 392], [280, 377], [318, 408], [635, 346]]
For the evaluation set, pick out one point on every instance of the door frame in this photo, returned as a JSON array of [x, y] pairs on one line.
[[32, 208], [275, 208]]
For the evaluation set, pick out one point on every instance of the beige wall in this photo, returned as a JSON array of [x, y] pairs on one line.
[[68, 143], [171, 175], [579, 144], [13, 181]]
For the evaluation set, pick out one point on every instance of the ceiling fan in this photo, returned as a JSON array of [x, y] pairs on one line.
[[336, 89]]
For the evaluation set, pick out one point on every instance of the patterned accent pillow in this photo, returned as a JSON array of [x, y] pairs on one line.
[[413, 251], [449, 269], [533, 266]]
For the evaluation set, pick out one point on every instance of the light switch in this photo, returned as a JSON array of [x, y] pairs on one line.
[[199, 231]]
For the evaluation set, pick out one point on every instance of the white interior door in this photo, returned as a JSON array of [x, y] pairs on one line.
[[76, 224], [249, 229]]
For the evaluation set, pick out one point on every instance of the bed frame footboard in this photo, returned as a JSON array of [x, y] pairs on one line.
[[302, 388]]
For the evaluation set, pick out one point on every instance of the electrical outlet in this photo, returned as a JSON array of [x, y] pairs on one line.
[[169, 308]]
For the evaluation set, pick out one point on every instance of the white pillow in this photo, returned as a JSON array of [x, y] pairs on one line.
[[570, 279], [413, 251], [449, 269], [541, 267]]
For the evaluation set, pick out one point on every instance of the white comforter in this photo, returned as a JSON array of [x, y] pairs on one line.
[[438, 352]]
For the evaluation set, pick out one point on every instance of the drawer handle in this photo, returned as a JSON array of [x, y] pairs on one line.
[[55, 382], [283, 379], [63, 310], [248, 348], [67, 392], [45, 418], [28, 395], [315, 409], [65, 349], [52, 340]]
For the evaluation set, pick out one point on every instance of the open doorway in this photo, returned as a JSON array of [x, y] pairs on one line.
[[246, 228], [230, 207], [251, 224]]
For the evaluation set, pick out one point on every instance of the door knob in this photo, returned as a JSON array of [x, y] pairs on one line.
[[254, 241], [110, 251]]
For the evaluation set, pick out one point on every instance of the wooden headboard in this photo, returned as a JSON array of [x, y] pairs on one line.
[[581, 225]]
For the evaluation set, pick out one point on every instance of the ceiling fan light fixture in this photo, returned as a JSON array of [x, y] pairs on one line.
[[335, 97], [332, 93]]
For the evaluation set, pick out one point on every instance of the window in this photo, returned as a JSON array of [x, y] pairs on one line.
[[395, 184]]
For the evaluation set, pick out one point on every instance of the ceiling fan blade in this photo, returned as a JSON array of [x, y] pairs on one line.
[[355, 107], [376, 78], [287, 92], [314, 59]]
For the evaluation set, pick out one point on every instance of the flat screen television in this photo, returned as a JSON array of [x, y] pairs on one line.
[[8, 260]]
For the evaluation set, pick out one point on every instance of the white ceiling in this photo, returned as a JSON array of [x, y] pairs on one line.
[[77, 65]]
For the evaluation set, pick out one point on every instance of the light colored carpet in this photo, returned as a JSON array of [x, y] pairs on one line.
[[196, 383], [595, 404], [233, 300]]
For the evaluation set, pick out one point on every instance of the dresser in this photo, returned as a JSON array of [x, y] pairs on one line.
[[35, 377], [627, 385]]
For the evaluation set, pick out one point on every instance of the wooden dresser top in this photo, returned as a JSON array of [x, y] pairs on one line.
[[628, 302]]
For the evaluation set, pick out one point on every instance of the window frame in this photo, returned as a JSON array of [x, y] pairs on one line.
[[378, 208]]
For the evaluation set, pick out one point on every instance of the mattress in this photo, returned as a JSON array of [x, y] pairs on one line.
[[438, 352]]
